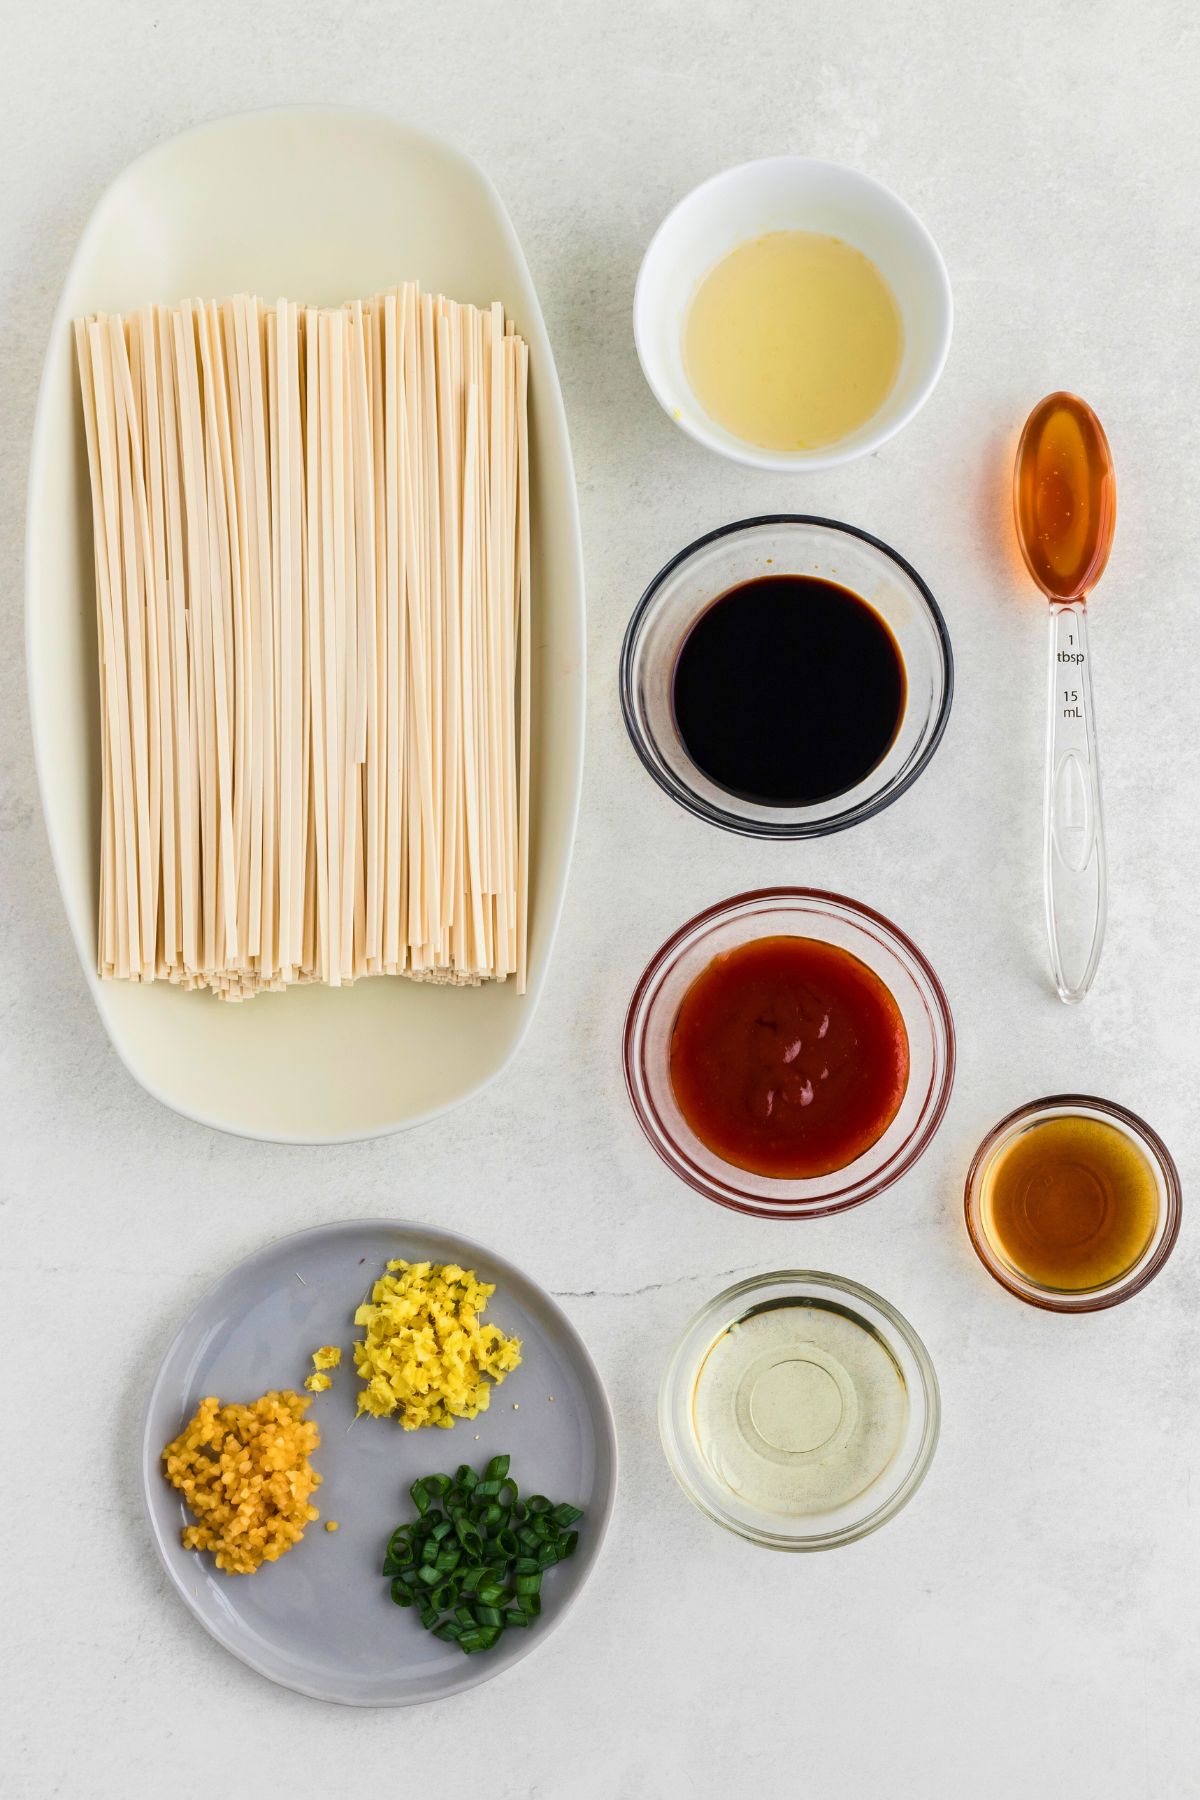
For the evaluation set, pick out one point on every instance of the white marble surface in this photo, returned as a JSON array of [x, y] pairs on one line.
[[1028, 1626]]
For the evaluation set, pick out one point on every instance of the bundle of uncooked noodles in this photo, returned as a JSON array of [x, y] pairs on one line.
[[312, 573]]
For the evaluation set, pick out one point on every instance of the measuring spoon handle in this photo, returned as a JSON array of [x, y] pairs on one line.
[[1075, 869]]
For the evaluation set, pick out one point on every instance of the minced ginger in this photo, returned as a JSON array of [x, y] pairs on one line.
[[245, 1474], [327, 1357], [425, 1357]]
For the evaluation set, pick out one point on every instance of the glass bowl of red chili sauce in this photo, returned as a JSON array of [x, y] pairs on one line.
[[789, 1053]]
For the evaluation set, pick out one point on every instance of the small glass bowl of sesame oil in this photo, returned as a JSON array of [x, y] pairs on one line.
[[1073, 1203]]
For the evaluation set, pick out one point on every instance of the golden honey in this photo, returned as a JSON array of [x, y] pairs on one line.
[[1066, 496]]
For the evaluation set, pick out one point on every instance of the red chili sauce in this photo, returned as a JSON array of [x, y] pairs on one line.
[[789, 1057]]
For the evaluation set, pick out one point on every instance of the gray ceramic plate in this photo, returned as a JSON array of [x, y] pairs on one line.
[[321, 1620]]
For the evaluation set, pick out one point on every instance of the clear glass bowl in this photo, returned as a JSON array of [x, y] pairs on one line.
[[784, 544], [1166, 1230], [883, 1497], [832, 919]]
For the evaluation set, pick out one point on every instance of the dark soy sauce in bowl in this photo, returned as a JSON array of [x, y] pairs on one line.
[[788, 690]]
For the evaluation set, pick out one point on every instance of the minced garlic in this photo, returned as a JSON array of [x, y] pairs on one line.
[[425, 1357], [245, 1474]]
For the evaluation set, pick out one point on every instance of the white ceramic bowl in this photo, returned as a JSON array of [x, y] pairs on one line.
[[791, 193], [320, 204]]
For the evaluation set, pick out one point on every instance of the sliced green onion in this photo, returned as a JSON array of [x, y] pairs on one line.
[[473, 1559]]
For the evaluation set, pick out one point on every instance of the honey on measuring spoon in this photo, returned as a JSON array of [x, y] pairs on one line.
[[1065, 500]]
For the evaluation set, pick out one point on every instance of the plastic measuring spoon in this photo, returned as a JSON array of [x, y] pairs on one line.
[[1065, 499]]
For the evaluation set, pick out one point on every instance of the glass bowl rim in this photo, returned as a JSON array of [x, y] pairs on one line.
[[1123, 1287], [928, 1123], [930, 1392], [735, 822]]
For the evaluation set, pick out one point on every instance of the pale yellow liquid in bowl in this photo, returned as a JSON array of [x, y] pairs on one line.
[[793, 341]]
